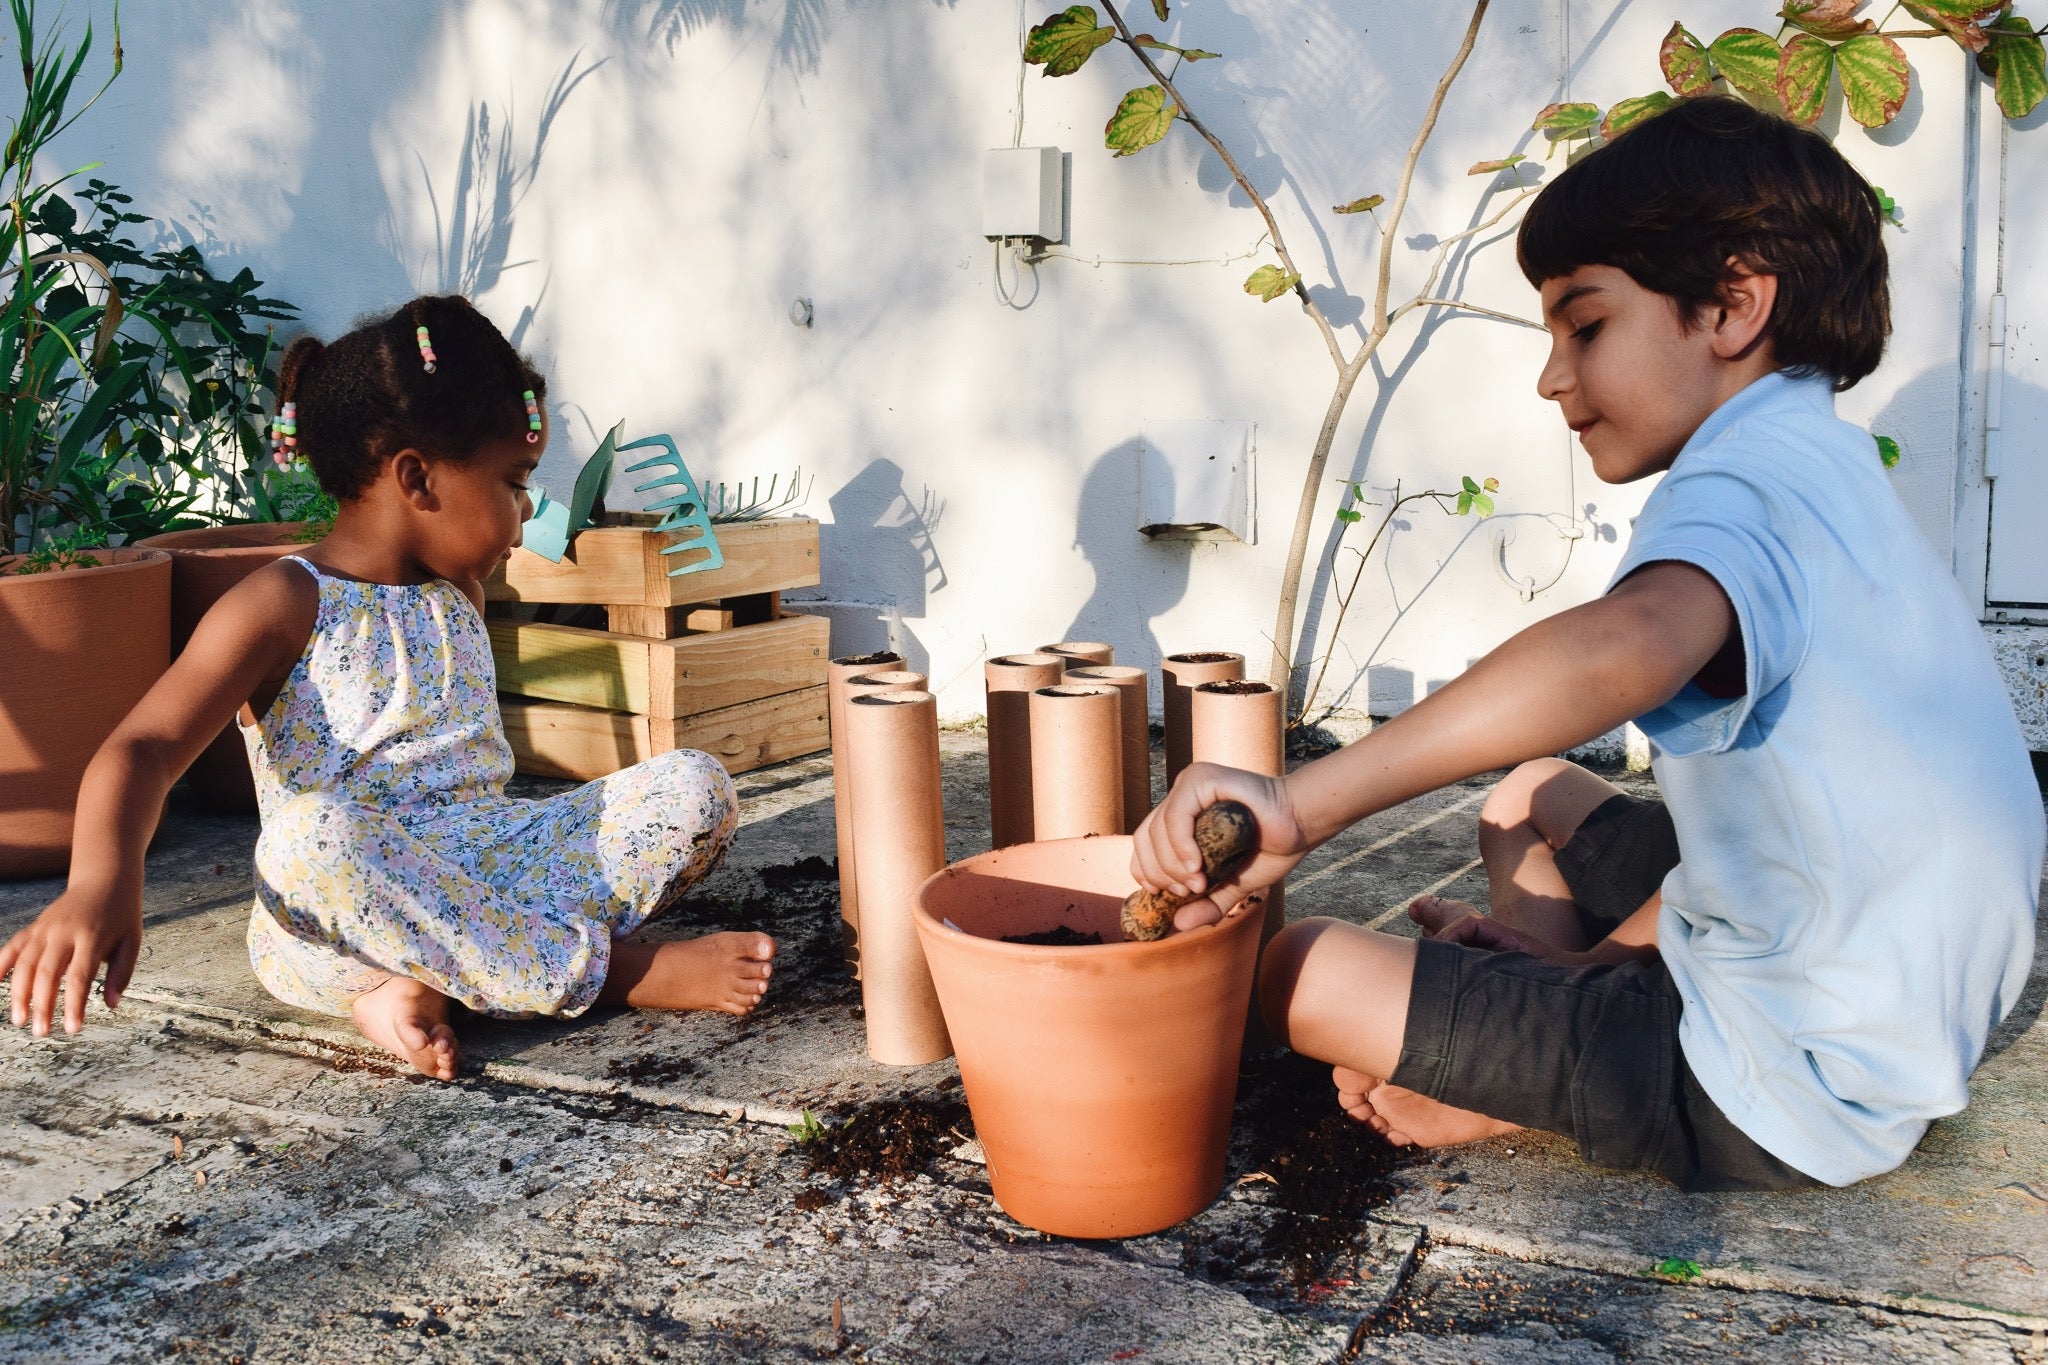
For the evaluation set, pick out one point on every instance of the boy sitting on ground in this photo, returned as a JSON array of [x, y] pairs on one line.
[[1784, 974]]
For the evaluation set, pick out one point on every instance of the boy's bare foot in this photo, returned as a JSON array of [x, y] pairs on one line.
[[1436, 913], [409, 1019], [1405, 1118], [726, 972]]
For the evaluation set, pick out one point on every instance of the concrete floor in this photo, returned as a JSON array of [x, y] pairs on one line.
[[213, 1176]]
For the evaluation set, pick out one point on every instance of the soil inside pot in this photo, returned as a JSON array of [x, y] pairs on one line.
[[1237, 689], [1059, 936], [1213, 656]]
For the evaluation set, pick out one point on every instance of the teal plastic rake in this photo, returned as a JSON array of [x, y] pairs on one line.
[[687, 516]]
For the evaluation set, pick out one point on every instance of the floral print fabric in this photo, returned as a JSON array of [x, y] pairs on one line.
[[390, 847]]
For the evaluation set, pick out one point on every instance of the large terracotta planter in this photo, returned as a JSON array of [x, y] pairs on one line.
[[78, 648], [205, 564], [1100, 1078]]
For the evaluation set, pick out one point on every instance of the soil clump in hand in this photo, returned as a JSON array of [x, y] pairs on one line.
[[1228, 836]]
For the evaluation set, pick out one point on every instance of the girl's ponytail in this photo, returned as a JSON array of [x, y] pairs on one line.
[[291, 369]]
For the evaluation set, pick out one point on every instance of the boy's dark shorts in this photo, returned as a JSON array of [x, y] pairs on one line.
[[1589, 1052]]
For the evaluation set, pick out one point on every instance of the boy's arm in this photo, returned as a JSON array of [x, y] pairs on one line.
[[256, 632], [1561, 682]]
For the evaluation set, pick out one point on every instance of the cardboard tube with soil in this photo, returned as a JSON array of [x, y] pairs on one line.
[[1011, 679], [1242, 725], [899, 838], [1136, 732], [1080, 653], [1077, 778], [838, 673], [1180, 674], [1100, 1078]]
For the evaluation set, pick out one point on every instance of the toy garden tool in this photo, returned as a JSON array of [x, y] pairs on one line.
[[553, 524], [686, 510]]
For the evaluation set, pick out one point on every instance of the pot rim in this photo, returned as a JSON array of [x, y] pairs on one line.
[[192, 540], [1238, 919], [142, 558]]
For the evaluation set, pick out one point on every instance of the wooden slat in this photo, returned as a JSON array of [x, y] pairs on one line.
[[724, 668], [555, 739], [623, 565], [665, 623], [586, 667]]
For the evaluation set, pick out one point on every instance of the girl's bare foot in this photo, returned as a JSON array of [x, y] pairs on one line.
[[1405, 1118], [409, 1019], [726, 972], [1436, 913]]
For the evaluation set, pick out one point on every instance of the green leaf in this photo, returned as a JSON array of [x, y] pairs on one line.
[[1676, 1268], [1464, 503], [1348, 515], [1833, 20], [1803, 72], [1685, 64], [1490, 484], [1888, 451], [1875, 78], [1888, 207], [1496, 165], [1467, 484], [1562, 122], [1626, 114], [1141, 119], [2021, 66], [1064, 43], [1159, 8], [1269, 282], [1198, 54], [1483, 503], [1749, 61], [1961, 20], [807, 1129], [1365, 205]]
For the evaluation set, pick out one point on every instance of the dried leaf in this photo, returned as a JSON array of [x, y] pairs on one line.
[[1875, 78], [1269, 282], [1198, 54], [1561, 122], [199, 1179], [1141, 119], [1833, 20], [1158, 8], [1626, 114], [1064, 43], [1961, 20], [177, 1148], [1803, 73], [1748, 60], [1496, 165], [1365, 205], [1685, 63], [2020, 66]]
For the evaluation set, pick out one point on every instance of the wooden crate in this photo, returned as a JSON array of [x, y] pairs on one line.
[[707, 661]]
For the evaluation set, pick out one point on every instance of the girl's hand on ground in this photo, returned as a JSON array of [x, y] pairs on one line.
[[65, 947], [1164, 856]]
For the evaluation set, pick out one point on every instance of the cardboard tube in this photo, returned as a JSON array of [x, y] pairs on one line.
[[888, 680], [1179, 673], [899, 837], [1078, 652], [837, 674], [1077, 770], [1242, 725], [1136, 733], [1011, 680]]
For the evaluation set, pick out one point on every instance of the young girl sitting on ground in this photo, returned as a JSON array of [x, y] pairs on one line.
[[393, 874]]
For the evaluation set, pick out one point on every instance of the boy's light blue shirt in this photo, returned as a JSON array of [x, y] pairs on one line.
[[1860, 831]]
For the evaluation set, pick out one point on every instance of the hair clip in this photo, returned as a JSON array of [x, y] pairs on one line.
[[426, 347], [284, 431], [532, 418]]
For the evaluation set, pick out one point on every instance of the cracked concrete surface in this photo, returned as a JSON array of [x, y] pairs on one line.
[[211, 1176]]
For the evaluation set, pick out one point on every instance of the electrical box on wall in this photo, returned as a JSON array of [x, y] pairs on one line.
[[1023, 193], [1197, 480]]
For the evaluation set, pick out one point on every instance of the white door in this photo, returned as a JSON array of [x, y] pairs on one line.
[[2016, 448]]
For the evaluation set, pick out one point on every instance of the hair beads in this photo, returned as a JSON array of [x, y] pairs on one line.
[[426, 347], [532, 419], [284, 432]]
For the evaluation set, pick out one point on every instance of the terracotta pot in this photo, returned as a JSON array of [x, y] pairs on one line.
[[1081, 652], [1077, 770], [1100, 1078], [1135, 731], [1011, 679], [1242, 725], [899, 837], [78, 648], [205, 564], [838, 673], [1179, 674]]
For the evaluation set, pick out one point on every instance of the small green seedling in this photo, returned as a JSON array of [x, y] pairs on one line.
[[1676, 1269], [807, 1129]]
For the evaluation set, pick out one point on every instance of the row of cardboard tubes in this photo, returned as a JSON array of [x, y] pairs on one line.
[[1069, 754]]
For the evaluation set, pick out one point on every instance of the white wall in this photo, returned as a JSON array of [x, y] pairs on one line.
[[707, 161]]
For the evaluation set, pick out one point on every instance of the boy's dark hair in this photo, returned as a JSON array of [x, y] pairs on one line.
[[367, 395], [1672, 199]]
